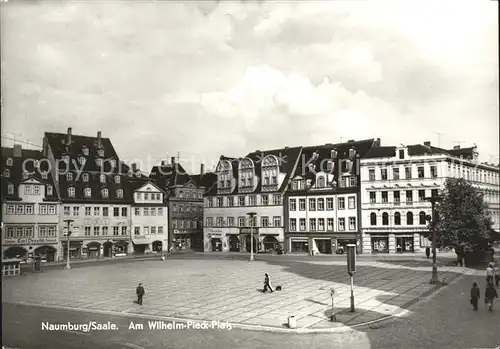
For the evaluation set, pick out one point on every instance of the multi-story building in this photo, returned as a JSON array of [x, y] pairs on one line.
[[252, 184], [204, 182], [397, 179], [149, 218], [322, 211], [185, 204], [30, 206], [93, 189]]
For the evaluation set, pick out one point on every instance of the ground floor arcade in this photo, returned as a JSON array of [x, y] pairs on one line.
[[47, 252]]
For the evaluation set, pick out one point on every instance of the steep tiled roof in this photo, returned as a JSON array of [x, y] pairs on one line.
[[467, 153], [207, 180], [419, 150], [25, 162], [381, 152], [169, 175]]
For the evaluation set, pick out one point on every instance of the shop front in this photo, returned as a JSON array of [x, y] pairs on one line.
[[270, 243], [120, 248], [93, 250], [76, 249], [322, 245], [405, 244], [15, 252], [46, 253], [299, 245], [234, 243], [380, 243]]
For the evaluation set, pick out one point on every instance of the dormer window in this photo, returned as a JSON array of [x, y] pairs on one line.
[[117, 179], [333, 154], [85, 151], [49, 190], [81, 160], [138, 173], [320, 183], [66, 158], [87, 192], [71, 192], [69, 176], [9, 162], [25, 174], [100, 152], [119, 193], [352, 153], [85, 177], [329, 166], [44, 175], [98, 162], [113, 163], [6, 173], [105, 193], [102, 178], [10, 189]]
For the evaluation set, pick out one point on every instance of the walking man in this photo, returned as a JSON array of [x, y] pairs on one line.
[[267, 284], [490, 274], [428, 252], [475, 294], [490, 295], [140, 293]]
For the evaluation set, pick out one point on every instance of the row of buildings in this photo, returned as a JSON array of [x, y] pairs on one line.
[[311, 199]]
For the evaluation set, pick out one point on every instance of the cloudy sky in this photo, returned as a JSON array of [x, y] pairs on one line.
[[207, 79]]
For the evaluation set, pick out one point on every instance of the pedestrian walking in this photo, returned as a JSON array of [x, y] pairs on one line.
[[140, 293], [267, 284], [428, 252], [489, 296], [496, 270], [475, 294], [490, 273]]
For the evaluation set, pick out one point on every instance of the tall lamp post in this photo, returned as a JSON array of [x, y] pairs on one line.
[[251, 216], [433, 200], [68, 234]]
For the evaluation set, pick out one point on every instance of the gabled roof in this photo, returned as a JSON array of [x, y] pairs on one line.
[[170, 175], [25, 162]]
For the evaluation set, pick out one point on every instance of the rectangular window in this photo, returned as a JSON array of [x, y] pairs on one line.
[[97, 211], [352, 223], [312, 224], [352, 182], [321, 204], [11, 209], [153, 230], [87, 231], [104, 231], [329, 224], [434, 172], [341, 204], [19, 233], [230, 201], [302, 224], [115, 231], [76, 211], [241, 201], [145, 211], [160, 211], [434, 192], [395, 173], [10, 233], [105, 211], [385, 197], [277, 199], [137, 230], [146, 230], [329, 204], [174, 206], [371, 174], [302, 204], [230, 221], [402, 154], [160, 230], [321, 224], [28, 189], [67, 210], [293, 204], [220, 202], [409, 196], [28, 232], [264, 200], [397, 198], [264, 221], [43, 209], [312, 204], [293, 224], [276, 221], [19, 209], [421, 172], [241, 221], [124, 230], [96, 231], [408, 172], [352, 202], [153, 211], [42, 231], [421, 195], [137, 211], [116, 211], [53, 210], [373, 197], [341, 224], [252, 200], [383, 173]]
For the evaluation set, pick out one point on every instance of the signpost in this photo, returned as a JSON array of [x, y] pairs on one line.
[[351, 269]]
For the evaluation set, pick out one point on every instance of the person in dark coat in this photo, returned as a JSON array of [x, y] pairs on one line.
[[140, 293], [489, 295], [267, 284], [475, 294], [428, 252]]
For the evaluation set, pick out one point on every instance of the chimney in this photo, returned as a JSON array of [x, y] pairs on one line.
[[134, 167], [427, 144], [68, 139], [172, 159], [99, 139], [163, 162], [18, 150], [202, 169], [45, 147], [456, 147], [377, 142]]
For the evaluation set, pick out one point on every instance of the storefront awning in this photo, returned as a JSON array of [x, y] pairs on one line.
[[140, 242]]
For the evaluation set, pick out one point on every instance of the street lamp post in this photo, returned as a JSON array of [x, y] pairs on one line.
[[433, 200], [251, 218], [68, 234]]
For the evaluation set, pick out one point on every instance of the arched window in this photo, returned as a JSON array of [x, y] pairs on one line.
[[397, 218], [9, 162], [119, 193], [10, 189], [69, 176], [49, 190], [385, 218], [102, 178], [85, 177], [6, 173], [117, 179], [105, 193], [71, 192], [409, 218], [321, 182], [421, 218], [87, 192], [373, 218]]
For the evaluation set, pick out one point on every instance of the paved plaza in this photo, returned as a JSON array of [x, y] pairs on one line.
[[228, 290]]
